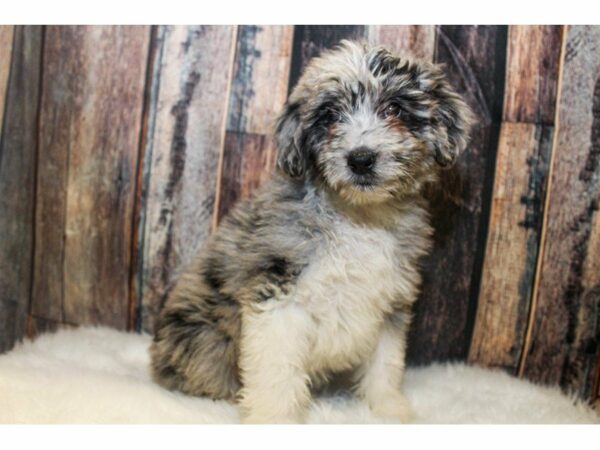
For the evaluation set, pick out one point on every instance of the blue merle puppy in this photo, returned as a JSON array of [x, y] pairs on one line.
[[315, 276]]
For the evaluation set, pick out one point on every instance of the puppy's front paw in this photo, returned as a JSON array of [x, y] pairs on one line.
[[394, 407]]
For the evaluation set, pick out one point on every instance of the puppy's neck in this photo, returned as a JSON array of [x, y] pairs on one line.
[[383, 213]]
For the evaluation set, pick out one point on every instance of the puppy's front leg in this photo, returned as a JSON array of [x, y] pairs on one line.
[[274, 347], [381, 376]]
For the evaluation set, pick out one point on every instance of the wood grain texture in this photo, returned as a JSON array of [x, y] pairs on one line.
[[518, 196], [444, 316], [410, 41], [512, 245], [259, 90], [90, 116], [6, 42], [17, 184], [187, 112], [562, 342], [55, 138], [532, 73]]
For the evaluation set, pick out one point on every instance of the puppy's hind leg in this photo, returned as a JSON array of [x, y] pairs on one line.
[[274, 346], [195, 353]]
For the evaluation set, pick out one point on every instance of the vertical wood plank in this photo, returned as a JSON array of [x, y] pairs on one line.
[[90, 116], [259, 90], [444, 316], [59, 91], [562, 340], [518, 197], [410, 41], [512, 245], [17, 184], [6, 42], [186, 123], [532, 73]]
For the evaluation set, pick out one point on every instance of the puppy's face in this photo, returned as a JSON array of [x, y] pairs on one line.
[[369, 124]]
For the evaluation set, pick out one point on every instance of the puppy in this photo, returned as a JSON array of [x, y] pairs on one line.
[[316, 275]]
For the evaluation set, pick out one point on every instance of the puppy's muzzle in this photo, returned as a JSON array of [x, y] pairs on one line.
[[362, 160]]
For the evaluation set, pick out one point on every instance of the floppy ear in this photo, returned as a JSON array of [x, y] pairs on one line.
[[290, 158], [453, 116]]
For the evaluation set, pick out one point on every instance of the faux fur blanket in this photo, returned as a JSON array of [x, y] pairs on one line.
[[98, 375]]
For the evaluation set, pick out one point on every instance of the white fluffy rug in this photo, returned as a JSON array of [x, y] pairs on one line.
[[98, 375]]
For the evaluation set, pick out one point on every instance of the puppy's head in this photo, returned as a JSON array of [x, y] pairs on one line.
[[369, 124]]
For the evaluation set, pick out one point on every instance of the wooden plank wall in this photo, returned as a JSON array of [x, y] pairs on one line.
[[122, 147], [18, 146], [89, 120], [521, 170], [562, 339]]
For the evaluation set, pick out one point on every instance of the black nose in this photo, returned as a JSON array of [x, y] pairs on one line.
[[361, 160]]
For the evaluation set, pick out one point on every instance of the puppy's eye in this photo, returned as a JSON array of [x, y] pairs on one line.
[[394, 110], [330, 116]]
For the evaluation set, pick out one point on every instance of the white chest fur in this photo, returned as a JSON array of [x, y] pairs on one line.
[[350, 284], [333, 318]]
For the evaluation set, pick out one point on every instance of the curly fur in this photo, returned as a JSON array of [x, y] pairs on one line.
[[314, 277]]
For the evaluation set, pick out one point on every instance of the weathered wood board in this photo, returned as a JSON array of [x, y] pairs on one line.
[[562, 340], [444, 316], [6, 43], [90, 114], [518, 197], [410, 41], [532, 73], [18, 145], [512, 245], [259, 90], [190, 79]]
